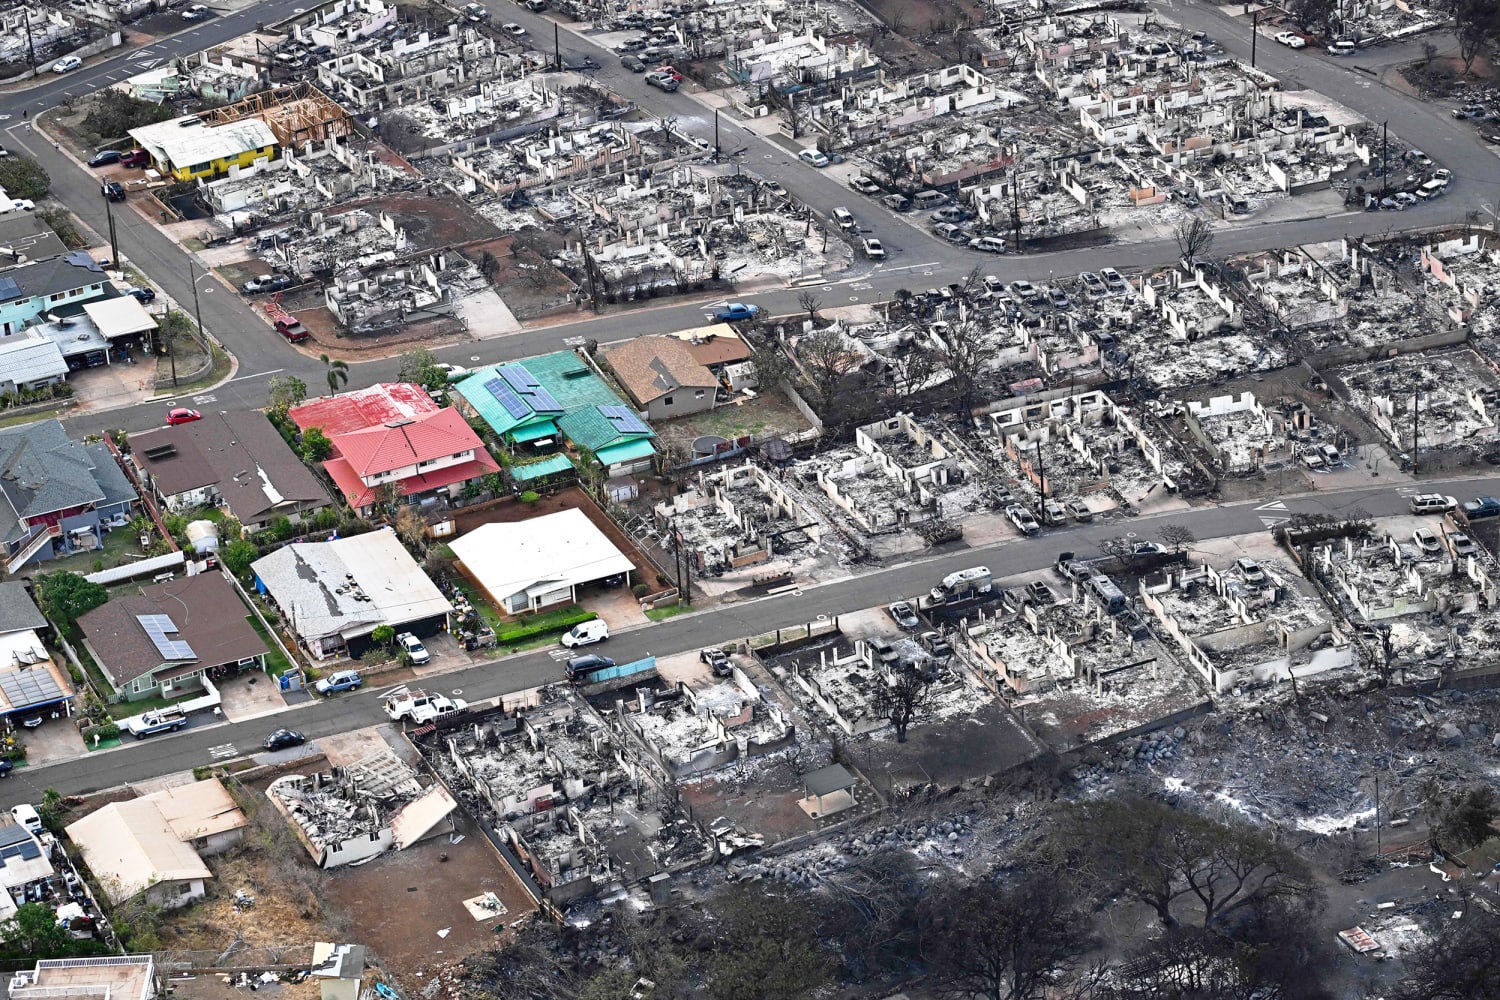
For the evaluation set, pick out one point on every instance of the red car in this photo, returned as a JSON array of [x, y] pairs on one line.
[[182, 416], [135, 158]]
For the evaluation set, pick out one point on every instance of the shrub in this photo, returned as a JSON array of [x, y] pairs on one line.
[[22, 178], [111, 731], [543, 626], [530, 496], [640, 590]]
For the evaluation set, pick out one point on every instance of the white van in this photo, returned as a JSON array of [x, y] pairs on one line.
[[586, 633], [925, 200], [27, 818], [844, 219], [1431, 189]]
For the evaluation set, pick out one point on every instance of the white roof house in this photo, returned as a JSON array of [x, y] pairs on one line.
[[529, 564], [119, 316], [131, 849], [29, 361], [335, 593], [186, 142]]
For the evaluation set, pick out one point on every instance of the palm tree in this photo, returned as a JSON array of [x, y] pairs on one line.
[[338, 373]]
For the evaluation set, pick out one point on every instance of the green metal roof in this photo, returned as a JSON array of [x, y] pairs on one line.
[[565, 375], [624, 452], [551, 465], [533, 432], [591, 429]]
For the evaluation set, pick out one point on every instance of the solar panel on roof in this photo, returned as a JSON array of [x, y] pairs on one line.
[[529, 389], [507, 398], [624, 419], [9, 289], [30, 850], [157, 627], [29, 688]]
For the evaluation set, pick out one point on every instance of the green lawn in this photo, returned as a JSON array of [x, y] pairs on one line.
[[487, 612], [125, 709], [276, 664], [662, 614]]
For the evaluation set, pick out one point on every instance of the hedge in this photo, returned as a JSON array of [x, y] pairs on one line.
[[542, 626]]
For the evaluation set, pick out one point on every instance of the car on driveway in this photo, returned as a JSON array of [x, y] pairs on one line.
[[413, 648], [268, 283], [282, 739], [774, 188], [1463, 546], [813, 157], [1113, 280], [717, 660], [451, 372], [734, 312], [142, 295], [104, 158], [67, 64], [1250, 570], [135, 158], [1427, 541], [196, 12], [902, 614], [182, 415], [1290, 39], [864, 185]]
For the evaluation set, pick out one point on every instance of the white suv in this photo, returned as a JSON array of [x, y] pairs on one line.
[[413, 647]]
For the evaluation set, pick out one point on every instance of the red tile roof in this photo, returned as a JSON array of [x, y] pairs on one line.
[[359, 495], [372, 407], [406, 442]]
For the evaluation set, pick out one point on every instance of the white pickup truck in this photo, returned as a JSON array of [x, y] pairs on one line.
[[163, 720], [421, 707]]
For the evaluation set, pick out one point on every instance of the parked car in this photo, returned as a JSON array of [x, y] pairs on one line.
[[1113, 280], [1481, 507], [734, 312], [451, 372], [589, 661], [1079, 510], [1092, 283], [142, 295], [268, 283], [1054, 512], [1342, 47], [113, 190], [1038, 593], [664, 81], [632, 63], [1432, 503], [1427, 541], [717, 660], [104, 158], [1059, 299], [845, 219], [936, 644], [1147, 549], [873, 248], [182, 415], [513, 29], [413, 648], [196, 12], [1022, 519], [1250, 570], [1290, 39], [902, 614], [813, 157], [282, 739], [864, 185], [773, 187], [1463, 546], [586, 633], [67, 64], [339, 680]]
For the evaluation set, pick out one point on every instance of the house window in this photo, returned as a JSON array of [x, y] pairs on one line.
[[184, 888], [425, 464], [666, 401], [700, 394]]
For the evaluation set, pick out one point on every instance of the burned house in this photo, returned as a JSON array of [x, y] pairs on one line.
[[689, 729], [739, 516]]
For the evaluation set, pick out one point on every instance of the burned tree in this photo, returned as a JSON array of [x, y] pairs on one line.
[[901, 698], [810, 304], [1194, 238], [968, 353], [1177, 536]]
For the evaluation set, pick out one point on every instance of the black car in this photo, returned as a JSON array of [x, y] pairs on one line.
[[104, 158], [632, 63], [5, 768], [590, 661], [284, 738], [143, 294], [113, 190]]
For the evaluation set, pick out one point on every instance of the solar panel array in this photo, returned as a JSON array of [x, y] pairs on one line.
[[26, 851], [157, 627], [507, 398], [624, 419], [28, 688], [530, 389]]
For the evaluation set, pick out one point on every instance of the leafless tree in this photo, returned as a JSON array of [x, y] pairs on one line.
[[1177, 536], [901, 699], [968, 353], [1194, 237], [810, 304], [826, 359], [912, 370]]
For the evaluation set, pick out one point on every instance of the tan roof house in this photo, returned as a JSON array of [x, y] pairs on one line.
[[662, 377]]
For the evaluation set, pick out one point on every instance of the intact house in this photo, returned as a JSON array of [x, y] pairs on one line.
[[24, 865], [531, 403], [662, 377], [109, 977], [43, 286], [235, 460], [154, 846], [395, 435], [334, 594], [163, 640], [528, 565], [186, 148], [32, 683], [59, 495]]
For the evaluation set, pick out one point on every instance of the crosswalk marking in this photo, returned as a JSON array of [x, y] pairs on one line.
[[1271, 522], [560, 654], [223, 751], [1273, 505]]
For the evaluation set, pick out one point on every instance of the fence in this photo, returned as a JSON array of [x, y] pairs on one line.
[[255, 609], [781, 639]]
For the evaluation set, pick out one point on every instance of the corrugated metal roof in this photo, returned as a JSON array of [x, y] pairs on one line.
[[551, 465]]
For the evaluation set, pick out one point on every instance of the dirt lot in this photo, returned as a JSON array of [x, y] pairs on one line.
[[430, 222], [766, 416], [527, 281]]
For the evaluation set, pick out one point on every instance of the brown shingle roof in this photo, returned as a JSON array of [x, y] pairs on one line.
[[650, 367], [240, 453], [208, 614], [713, 345]]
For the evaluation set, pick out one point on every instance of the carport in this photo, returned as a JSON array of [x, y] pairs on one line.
[[827, 790]]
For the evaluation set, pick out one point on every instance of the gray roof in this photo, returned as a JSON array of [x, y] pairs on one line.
[[30, 359], [75, 269], [110, 477], [42, 470], [29, 237], [18, 611], [827, 780]]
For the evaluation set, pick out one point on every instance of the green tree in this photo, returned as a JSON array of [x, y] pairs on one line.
[[238, 555], [285, 392], [1463, 820], [112, 114], [315, 445], [383, 635], [22, 178], [33, 931], [337, 373], [65, 597], [768, 948], [1476, 25], [420, 367]]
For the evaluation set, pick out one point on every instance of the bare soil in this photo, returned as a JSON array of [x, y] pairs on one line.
[[526, 279]]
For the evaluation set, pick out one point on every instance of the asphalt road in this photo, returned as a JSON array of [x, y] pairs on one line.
[[181, 751], [917, 259]]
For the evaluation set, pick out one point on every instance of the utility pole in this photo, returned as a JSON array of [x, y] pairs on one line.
[[1377, 815], [716, 133], [1254, 34], [1015, 210], [556, 48], [1385, 159], [1041, 478], [1416, 412], [114, 243], [30, 47]]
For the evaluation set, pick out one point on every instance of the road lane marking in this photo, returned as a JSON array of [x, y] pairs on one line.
[[223, 751], [241, 378]]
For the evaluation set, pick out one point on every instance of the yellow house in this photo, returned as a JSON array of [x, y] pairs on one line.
[[186, 148]]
